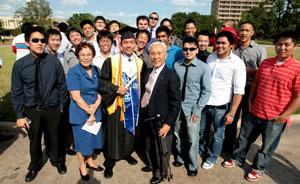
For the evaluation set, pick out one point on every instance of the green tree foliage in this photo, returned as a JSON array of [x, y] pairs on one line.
[[203, 22], [37, 11], [75, 20]]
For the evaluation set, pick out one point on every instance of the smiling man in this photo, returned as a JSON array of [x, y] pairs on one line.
[[39, 92], [153, 20], [228, 77], [90, 37], [203, 42], [142, 39], [53, 44]]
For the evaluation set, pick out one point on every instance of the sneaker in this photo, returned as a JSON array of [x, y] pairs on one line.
[[229, 164], [252, 176], [207, 165]]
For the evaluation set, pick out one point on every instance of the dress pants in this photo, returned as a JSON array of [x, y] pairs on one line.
[[48, 121]]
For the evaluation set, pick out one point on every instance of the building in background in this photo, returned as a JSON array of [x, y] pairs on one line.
[[233, 9]]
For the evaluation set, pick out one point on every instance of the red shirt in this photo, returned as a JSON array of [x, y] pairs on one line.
[[277, 87]]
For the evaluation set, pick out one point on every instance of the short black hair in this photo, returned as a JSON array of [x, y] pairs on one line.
[[86, 21], [226, 34], [99, 18], [72, 29], [153, 13], [52, 32], [63, 27], [32, 30], [190, 39], [25, 26], [104, 34], [55, 24], [141, 17], [287, 34], [188, 21], [163, 29], [203, 32], [143, 31], [114, 22], [247, 22], [166, 19]]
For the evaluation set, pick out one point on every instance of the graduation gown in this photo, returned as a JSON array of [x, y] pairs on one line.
[[118, 142]]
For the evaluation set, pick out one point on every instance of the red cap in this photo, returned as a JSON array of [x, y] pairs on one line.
[[232, 31]]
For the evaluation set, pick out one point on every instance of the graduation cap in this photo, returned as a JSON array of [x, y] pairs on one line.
[[127, 32]]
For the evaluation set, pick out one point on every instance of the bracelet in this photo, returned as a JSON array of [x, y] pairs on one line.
[[230, 115]]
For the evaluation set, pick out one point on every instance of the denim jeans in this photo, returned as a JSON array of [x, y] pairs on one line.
[[252, 127], [216, 116], [187, 134]]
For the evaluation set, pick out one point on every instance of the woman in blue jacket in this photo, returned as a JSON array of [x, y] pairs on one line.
[[82, 83]]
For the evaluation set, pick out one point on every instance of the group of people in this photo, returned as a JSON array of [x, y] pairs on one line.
[[130, 79]]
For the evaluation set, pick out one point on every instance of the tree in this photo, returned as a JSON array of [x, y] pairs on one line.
[[37, 11], [2, 30], [75, 20], [203, 22]]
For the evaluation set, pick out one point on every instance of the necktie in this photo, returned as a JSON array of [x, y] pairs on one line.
[[151, 30], [184, 81], [129, 59], [38, 88], [148, 89]]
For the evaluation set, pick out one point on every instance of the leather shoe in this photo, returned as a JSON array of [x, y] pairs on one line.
[[30, 176], [99, 168], [177, 164], [192, 173], [147, 169], [108, 173], [85, 177], [131, 160], [155, 180], [61, 168], [71, 152]]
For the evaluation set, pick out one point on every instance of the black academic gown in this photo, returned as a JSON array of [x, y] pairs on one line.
[[118, 142]]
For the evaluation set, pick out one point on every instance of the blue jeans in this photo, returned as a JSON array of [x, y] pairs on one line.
[[216, 116], [252, 127], [187, 134]]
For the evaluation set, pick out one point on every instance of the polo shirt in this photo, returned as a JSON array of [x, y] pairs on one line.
[[174, 54], [277, 84], [228, 76], [252, 56], [19, 47]]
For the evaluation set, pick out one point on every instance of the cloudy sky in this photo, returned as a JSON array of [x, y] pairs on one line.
[[123, 10]]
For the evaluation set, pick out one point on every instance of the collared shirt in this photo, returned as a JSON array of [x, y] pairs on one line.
[[175, 41], [95, 44], [252, 56], [277, 86], [198, 85], [65, 43], [153, 35], [203, 55], [70, 60], [174, 54], [99, 60], [115, 49], [157, 72], [146, 58], [23, 82], [59, 56], [129, 67], [227, 76]]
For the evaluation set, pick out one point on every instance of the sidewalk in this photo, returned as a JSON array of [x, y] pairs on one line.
[[283, 168]]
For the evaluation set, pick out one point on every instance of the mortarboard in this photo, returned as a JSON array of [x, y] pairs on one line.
[[127, 32]]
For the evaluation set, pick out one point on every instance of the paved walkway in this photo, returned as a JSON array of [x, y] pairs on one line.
[[283, 168]]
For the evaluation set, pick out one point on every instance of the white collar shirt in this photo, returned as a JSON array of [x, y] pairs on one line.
[[228, 77], [129, 67], [157, 72], [99, 60]]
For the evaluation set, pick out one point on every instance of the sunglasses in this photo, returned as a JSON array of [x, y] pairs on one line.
[[36, 40], [190, 49], [153, 18]]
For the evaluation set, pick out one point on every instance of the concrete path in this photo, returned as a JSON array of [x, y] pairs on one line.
[[283, 168]]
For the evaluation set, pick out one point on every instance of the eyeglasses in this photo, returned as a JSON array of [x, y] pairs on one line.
[[153, 18], [36, 40], [190, 49], [88, 56]]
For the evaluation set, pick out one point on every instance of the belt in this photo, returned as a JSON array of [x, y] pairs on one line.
[[225, 106], [38, 108]]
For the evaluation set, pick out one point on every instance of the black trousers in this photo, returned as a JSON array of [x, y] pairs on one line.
[[47, 121]]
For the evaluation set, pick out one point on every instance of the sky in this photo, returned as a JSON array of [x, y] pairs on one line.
[[124, 11]]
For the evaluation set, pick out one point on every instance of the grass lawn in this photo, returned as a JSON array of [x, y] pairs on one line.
[[9, 57]]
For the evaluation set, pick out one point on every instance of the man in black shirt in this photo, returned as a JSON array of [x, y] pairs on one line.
[[203, 42], [39, 93]]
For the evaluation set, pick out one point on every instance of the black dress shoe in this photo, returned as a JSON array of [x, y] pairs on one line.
[[177, 164], [108, 173], [147, 169], [30, 176], [61, 168], [85, 177], [99, 168], [155, 180], [192, 173], [71, 152], [131, 160]]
